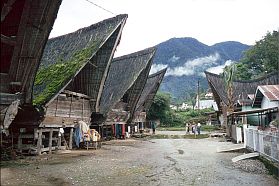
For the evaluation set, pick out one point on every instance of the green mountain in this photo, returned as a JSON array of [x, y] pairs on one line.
[[187, 59]]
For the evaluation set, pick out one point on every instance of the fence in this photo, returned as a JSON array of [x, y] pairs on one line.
[[266, 143]]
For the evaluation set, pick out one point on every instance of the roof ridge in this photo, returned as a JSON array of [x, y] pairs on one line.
[[163, 71], [92, 26], [136, 54], [245, 81]]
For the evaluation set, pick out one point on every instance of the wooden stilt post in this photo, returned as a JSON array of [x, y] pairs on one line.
[[71, 138], [59, 140], [19, 143], [50, 141], [39, 143]]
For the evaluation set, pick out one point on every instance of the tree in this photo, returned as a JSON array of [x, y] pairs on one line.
[[160, 108], [260, 59]]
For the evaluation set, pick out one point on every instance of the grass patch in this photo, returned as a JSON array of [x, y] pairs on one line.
[[164, 136], [12, 164], [209, 128], [271, 167], [171, 128]]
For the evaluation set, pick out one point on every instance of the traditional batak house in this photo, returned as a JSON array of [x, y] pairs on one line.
[[150, 89], [25, 27], [69, 83], [124, 84], [241, 91]]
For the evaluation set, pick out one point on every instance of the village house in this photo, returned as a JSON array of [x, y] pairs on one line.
[[145, 101], [122, 90], [24, 32], [68, 85], [255, 111], [241, 90]]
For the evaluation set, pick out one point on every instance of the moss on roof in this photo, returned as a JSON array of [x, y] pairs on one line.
[[65, 56], [49, 80]]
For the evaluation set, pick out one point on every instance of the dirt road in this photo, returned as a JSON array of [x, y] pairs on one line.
[[137, 162]]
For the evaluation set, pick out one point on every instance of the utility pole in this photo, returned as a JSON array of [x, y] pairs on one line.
[[198, 95]]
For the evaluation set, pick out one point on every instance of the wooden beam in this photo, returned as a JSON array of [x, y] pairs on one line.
[[50, 141], [8, 40], [19, 143], [39, 142], [230, 148], [71, 139], [14, 67], [102, 83], [245, 156], [76, 94], [6, 9]]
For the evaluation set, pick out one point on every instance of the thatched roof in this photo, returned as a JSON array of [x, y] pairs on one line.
[[123, 73], [241, 89], [25, 28], [133, 94], [150, 89], [78, 61]]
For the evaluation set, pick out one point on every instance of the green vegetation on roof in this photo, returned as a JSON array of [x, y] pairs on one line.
[[50, 80]]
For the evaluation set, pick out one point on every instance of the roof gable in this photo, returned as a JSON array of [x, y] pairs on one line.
[[66, 56], [25, 28], [271, 92], [123, 73], [150, 89]]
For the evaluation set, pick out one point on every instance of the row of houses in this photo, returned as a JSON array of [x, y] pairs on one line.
[[57, 83], [255, 118], [259, 95]]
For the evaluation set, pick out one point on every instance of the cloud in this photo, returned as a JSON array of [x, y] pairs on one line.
[[219, 69], [157, 67], [190, 67], [174, 58]]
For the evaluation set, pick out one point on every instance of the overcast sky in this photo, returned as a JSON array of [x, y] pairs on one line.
[[153, 21]]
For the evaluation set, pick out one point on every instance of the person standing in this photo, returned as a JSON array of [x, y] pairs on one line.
[[153, 126], [199, 128], [193, 128], [187, 128]]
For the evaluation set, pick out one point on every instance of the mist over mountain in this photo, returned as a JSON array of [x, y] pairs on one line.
[[187, 59]]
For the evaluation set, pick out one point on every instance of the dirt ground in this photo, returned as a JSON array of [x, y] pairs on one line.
[[136, 162]]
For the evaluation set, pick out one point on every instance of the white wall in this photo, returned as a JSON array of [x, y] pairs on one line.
[[268, 104]]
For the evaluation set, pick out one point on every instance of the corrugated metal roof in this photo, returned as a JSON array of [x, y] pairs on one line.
[[251, 96], [271, 92]]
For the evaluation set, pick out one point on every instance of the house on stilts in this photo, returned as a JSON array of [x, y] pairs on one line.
[[243, 96], [124, 84], [68, 85], [25, 28], [150, 89]]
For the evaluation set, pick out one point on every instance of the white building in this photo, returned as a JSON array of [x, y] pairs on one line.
[[266, 96], [203, 104], [173, 107], [184, 106]]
